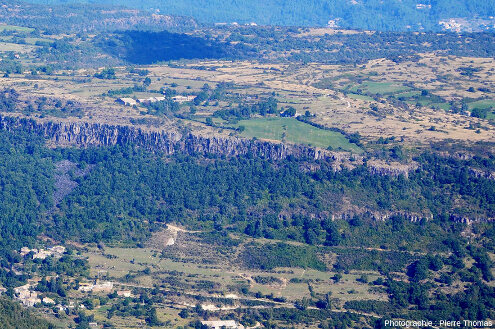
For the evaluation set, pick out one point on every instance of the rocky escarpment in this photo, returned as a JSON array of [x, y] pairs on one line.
[[86, 134], [92, 134], [383, 168]]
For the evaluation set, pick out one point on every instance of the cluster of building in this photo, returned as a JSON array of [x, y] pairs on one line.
[[422, 6], [452, 24], [56, 251], [26, 296], [29, 297], [183, 99], [219, 324], [131, 101], [106, 287], [96, 287]]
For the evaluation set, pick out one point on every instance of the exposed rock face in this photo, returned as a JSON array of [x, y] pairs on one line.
[[383, 216], [93, 134], [481, 174], [378, 167]]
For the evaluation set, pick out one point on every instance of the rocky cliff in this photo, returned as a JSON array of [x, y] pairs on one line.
[[92, 134], [85, 134]]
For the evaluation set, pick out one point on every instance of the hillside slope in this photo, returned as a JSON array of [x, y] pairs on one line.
[[361, 14]]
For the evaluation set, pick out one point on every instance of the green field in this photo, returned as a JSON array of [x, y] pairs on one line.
[[15, 28], [482, 104], [443, 106], [490, 115], [371, 87], [361, 97], [291, 130], [409, 93], [5, 46]]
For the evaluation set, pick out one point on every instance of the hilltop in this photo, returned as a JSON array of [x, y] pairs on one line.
[[406, 15]]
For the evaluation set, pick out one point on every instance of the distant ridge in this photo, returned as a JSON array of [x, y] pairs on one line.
[[381, 15]]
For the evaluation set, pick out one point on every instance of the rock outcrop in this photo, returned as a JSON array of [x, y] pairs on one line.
[[383, 168], [85, 134]]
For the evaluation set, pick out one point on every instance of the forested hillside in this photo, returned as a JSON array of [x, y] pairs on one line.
[[126, 193], [363, 14], [12, 316], [122, 195]]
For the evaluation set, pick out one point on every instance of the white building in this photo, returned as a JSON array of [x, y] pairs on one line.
[[151, 100], [124, 293], [48, 300], [98, 287], [57, 251], [26, 296], [126, 101], [219, 324], [183, 99]]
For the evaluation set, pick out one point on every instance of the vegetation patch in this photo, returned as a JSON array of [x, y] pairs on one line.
[[383, 88], [270, 256], [294, 131], [140, 47]]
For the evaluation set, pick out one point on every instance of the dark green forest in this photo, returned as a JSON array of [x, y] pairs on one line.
[[13, 316], [125, 194], [259, 42], [140, 47], [364, 14]]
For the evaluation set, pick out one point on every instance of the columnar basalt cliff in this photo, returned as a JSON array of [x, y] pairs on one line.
[[83, 134], [93, 134]]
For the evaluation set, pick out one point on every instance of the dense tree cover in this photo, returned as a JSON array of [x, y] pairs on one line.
[[245, 111], [269, 42], [269, 256], [26, 189], [367, 14], [71, 52], [132, 190], [480, 113], [360, 47], [128, 193], [144, 47], [66, 265], [476, 302], [13, 316], [75, 18], [9, 66], [108, 73], [165, 107]]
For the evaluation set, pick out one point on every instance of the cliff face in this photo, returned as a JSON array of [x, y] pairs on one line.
[[93, 134]]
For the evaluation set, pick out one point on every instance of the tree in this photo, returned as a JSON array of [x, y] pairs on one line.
[[108, 73], [200, 98], [289, 112], [418, 270], [333, 236], [337, 277], [184, 313], [479, 113], [151, 318]]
